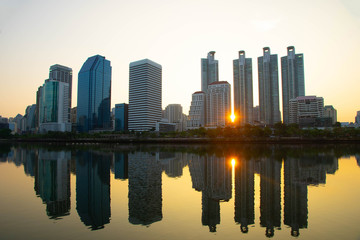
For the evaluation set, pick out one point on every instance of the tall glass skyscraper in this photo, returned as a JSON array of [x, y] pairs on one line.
[[209, 71], [292, 76], [144, 95], [53, 106], [94, 95], [268, 87], [243, 90]]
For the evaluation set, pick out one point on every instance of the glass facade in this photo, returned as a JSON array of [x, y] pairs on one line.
[[121, 117], [94, 94], [49, 102]]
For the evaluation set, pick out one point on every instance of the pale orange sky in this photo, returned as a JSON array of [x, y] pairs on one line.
[[176, 34]]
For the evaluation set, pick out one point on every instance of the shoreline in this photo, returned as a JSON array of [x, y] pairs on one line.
[[183, 140]]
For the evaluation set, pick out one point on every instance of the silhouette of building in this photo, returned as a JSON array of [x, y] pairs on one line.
[[268, 87], [197, 111], [94, 95], [145, 192], [330, 112], [218, 104], [244, 194], [145, 84], [295, 196], [243, 90], [292, 75], [121, 165], [270, 206], [93, 188]]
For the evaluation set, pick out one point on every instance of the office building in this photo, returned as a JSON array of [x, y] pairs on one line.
[[121, 116], [305, 110], [268, 87], [209, 71], [218, 104], [94, 95], [62, 74], [144, 95], [54, 105], [330, 112], [292, 75], [197, 111], [174, 114], [243, 90], [357, 117]]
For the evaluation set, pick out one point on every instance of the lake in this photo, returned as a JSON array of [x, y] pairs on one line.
[[222, 191]]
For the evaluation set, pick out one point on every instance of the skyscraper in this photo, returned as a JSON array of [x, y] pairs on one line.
[[144, 95], [243, 91], [62, 74], [54, 105], [121, 117], [218, 104], [209, 71], [268, 87], [330, 112], [292, 75], [94, 95], [197, 111]]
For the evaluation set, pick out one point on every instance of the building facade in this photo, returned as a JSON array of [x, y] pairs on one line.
[[357, 117], [121, 117], [330, 112], [145, 83], [209, 71], [196, 117], [243, 90], [292, 75], [94, 95], [54, 105], [218, 104], [268, 87], [305, 110], [62, 74]]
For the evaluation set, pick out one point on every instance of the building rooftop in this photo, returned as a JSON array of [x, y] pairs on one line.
[[144, 61], [198, 92], [219, 82]]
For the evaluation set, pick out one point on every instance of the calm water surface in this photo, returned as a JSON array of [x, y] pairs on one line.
[[180, 192]]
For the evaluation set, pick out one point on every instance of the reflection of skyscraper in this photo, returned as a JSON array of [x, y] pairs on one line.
[[244, 194], [93, 188], [145, 193], [121, 165], [172, 164], [53, 182], [357, 157], [270, 206], [216, 188], [295, 196]]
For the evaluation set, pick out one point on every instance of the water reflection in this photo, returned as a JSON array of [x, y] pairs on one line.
[[145, 194], [93, 188], [210, 171]]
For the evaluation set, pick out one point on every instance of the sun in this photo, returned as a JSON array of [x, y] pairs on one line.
[[232, 117], [233, 162]]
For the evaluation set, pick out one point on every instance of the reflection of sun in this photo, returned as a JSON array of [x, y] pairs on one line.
[[233, 162], [232, 117]]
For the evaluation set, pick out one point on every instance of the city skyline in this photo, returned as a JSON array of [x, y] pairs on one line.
[[26, 55]]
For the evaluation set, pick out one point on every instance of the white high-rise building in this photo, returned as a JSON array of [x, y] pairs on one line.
[[209, 71], [144, 95], [196, 117], [173, 112], [218, 104], [305, 108], [243, 90]]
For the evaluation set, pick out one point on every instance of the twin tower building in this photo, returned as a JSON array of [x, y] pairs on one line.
[[216, 94]]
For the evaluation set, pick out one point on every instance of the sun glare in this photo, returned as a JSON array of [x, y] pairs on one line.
[[232, 117], [233, 162]]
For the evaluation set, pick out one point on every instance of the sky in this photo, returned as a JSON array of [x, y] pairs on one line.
[[176, 34]]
